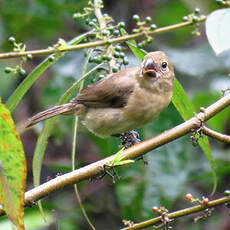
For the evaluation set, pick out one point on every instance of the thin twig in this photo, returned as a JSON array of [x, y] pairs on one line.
[[74, 149], [179, 213], [219, 136], [133, 152], [99, 43]]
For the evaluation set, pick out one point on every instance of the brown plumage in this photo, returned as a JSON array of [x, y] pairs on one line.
[[122, 101]]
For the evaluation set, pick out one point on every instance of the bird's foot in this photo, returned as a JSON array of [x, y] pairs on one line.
[[106, 171], [129, 138]]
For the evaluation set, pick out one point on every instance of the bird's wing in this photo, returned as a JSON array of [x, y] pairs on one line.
[[112, 91]]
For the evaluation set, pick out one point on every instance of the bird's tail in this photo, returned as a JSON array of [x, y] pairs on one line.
[[56, 110]]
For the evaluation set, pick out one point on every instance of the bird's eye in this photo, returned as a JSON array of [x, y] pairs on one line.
[[164, 65]]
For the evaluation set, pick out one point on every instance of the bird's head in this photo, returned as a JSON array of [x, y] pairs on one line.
[[156, 69]]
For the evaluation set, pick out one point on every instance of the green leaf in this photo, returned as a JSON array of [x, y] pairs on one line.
[[185, 107], [119, 163], [12, 169], [218, 30], [21, 90], [117, 157]]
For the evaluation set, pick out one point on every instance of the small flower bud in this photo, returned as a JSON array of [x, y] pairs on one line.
[[121, 25], [197, 10], [148, 19], [155, 209], [11, 40], [185, 18], [188, 196], [227, 192], [153, 27], [8, 69], [29, 57], [205, 201], [136, 18]]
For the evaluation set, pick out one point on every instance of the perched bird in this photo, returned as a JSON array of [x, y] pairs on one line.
[[122, 101]]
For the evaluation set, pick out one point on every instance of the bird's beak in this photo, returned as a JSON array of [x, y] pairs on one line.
[[150, 68]]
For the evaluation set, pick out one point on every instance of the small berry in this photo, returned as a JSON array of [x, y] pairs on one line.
[[8, 69], [97, 60], [91, 23], [227, 192], [153, 27], [111, 28], [22, 72], [121, 25], [155, 209], [136, 18], [202, 109], [148, 19], [116, 32], [94, 20], [11, 39], [118, 48], [205, 201], [195, 18], [188, 196], [109, 41], [185, 18], [75, 16], [125, 61], [51, 58], [29, 57], [87, 21], [105, 57], [122, 55], [197, 10], [135, 31], [115, 69], [105, 32], [116, 54]]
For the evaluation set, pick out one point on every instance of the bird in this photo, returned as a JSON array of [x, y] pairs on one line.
[[122, 101]]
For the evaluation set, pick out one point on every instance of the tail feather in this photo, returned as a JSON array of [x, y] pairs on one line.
[[54, 111]]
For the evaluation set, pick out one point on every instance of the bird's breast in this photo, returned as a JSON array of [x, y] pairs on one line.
[[144, 106]]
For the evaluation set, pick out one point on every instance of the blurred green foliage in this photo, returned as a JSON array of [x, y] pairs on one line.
[[174, 169]]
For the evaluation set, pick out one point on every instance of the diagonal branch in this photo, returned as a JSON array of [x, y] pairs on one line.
[[135, 151], [99, 43], [179, 213]]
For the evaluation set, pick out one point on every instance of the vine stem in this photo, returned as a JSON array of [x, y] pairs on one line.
[[90, 171], [179, 213], [74, 146], [99, 43]]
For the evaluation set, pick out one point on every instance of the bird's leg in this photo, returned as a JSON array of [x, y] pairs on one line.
[[128, 138], [106, 171]]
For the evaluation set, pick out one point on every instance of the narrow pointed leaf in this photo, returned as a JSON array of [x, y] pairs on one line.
[[185, 108]]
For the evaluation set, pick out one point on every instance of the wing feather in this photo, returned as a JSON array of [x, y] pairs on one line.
[[112, 91]]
